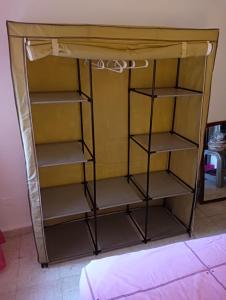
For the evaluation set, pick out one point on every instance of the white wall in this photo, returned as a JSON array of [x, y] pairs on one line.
[[14, 209]]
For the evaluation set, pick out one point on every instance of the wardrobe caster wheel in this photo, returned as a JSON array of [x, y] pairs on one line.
[[145, 241], [190, 234], [45, 265], [96, 252]]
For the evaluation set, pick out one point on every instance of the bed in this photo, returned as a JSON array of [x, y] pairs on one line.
[[194, 269]]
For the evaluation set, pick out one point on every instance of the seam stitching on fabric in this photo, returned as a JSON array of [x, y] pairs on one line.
[[208, 268], [158, 286], [183, 277]]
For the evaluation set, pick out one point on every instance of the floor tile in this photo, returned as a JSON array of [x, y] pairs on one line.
[[224, 202], [11, 248], [8, 296], [73, 267], [52, 291], [71, 295], [9, 276], [203, 227], [199, 213], [70, 288], [27, 246], [171, 240], [212, 209], [218, 223], [31, 273]]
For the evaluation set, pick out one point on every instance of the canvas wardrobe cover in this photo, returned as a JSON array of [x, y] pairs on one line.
[[36, 41]]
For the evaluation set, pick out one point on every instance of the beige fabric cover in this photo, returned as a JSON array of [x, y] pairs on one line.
[[106, 49], [94, 42]]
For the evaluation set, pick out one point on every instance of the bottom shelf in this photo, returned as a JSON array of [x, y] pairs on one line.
[[68, 240], [161, 223], [116, 231], [72, 239]]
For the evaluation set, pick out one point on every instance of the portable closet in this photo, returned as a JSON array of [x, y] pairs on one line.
[[108, 130]]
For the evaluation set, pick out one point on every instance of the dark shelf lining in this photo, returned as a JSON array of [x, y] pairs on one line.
[[161, 223], [56, 97], [162, 184], [113, 192], [163, 142], [116, 231], [167, 92], [63, 201], [68, 240], [63, 153]]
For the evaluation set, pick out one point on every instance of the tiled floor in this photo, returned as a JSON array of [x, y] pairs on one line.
[[23, 278]]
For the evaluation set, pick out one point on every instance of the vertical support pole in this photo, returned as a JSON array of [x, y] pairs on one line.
[[149, 150], [192, 207], [190, 228], [94, 157], [174, 108], [129, 122], [81, 122]]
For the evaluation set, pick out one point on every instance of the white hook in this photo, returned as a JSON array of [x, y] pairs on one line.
[[99, 64], [133, 66], [116, 67]]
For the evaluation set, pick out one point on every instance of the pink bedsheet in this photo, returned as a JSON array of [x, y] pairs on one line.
[[191, 270], [2, 258]]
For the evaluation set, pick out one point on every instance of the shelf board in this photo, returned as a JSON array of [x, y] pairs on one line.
[[59, 154], [115, 231], [161, 223], [62, 201], [164, 141], [56, 97], [161, 185], [68, 240], [168, 92], [113, 192]]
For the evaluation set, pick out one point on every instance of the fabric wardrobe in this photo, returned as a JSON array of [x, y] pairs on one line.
[[45, 59]]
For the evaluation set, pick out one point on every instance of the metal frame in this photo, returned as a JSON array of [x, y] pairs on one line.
[[144, 234], [174, 109], [148, 150], [92, 153], [147, 199], [91, 197]]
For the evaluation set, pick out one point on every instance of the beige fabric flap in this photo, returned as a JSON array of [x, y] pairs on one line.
[[117, 49]]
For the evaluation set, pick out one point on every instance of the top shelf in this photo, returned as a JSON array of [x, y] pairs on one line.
[[56, 97], [168, 92]]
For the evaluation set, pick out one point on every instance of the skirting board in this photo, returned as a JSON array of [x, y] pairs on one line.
[[17, 231]]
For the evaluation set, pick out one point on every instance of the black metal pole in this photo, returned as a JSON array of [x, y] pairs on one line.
[[94, 157], [129, 122], [174, 108], [192, 208], [81, 122], [149, 150], [194, 200]]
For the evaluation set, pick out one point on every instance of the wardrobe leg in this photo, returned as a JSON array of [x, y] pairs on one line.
[[96, 252], [45, 265]]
